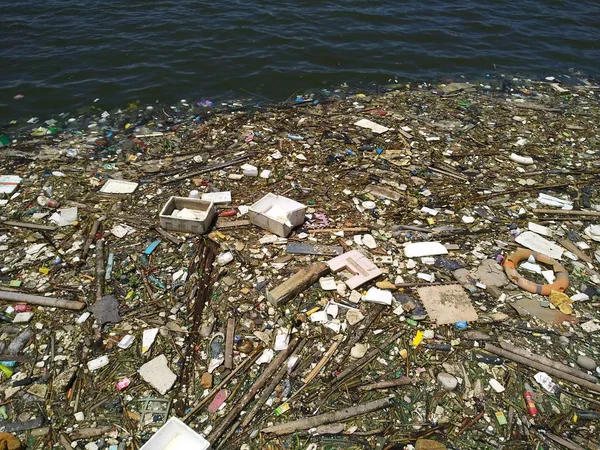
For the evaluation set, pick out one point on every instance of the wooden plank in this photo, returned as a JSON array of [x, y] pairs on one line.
[[297, 283]]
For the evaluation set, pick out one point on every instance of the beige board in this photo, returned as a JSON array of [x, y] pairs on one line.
[[447, 304]]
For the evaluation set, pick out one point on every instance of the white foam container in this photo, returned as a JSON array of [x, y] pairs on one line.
[[171, 223], [289, 214], [176, 435]]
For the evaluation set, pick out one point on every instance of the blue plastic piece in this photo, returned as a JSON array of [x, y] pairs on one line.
[[461, 325], [152, 247]]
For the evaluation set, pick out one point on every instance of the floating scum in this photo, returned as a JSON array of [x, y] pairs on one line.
[[348, 270]]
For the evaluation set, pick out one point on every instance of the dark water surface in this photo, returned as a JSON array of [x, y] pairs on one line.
[[62, 54]]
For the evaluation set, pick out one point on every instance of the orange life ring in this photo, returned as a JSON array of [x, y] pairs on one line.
[[510, 267]]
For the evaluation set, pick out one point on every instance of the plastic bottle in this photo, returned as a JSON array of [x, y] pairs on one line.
[[528, 396], [19, 342], [45, 201]]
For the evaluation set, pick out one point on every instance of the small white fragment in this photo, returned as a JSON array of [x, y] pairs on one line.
[[376, 295]]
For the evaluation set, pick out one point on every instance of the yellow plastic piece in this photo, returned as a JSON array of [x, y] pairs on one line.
[[418, 338], [6, 370]]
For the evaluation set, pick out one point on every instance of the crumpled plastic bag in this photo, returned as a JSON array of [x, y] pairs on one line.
[[546, 382], [593, 231], [562, 301]]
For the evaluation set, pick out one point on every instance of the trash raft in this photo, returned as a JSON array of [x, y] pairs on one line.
[[412, 269]]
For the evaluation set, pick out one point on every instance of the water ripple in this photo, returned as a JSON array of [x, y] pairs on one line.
[[61, 54]]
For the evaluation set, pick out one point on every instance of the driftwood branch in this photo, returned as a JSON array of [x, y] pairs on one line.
[[323, 419], [547, 361], [539, 366], [42, 301]]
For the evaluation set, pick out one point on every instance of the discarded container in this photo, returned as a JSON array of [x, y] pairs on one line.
[[199, 223], [118, 187], [277, 214], [176, 435]]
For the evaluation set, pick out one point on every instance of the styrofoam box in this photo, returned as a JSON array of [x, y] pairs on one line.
[[277, 214], [197, 226], [176, 435]]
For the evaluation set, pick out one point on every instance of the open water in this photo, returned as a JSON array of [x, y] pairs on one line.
[[63, 54]]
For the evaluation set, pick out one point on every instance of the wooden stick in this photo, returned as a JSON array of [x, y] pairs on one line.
[[229, 343], [547, 361], [42, 301], [251, 358], [574, 249], [231, 224], [326, 357], [564, 442], [335, 230], [323, 419], [534, 106], [270, 388], [544, 368], [100, 270], [566, 212], [251, 393], [386, 384], [168, 236], [31, 226], [90, 238]]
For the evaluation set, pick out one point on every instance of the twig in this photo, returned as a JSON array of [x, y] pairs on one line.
[[100, 270], [90, 238], [386, 384], [365, 359]]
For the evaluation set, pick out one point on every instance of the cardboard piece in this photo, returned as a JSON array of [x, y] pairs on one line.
[[447, 304]]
